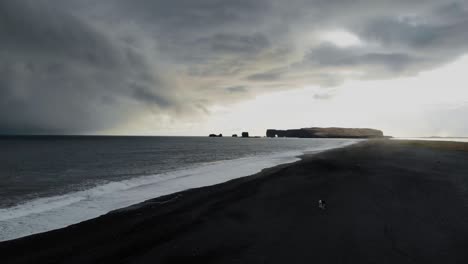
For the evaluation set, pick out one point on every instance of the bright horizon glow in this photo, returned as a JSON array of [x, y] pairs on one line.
[[403, 107]]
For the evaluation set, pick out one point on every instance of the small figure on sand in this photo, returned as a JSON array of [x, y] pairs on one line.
[[322, 204]]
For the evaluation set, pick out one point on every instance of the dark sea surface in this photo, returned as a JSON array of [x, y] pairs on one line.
[[50, 182]]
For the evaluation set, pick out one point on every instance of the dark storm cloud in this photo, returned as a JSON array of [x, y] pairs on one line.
[[187, 14], [375, 64], [236, 89], [270, 75], [329, 56], [141, 93], [410, 34], [86, 66], [60, 75], [225, 43]]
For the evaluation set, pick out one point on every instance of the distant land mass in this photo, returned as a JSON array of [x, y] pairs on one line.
[[326, 132], [444, 137]]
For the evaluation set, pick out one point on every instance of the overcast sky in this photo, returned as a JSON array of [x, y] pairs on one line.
[[185, 67]]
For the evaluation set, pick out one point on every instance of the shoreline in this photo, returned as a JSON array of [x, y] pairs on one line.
[[389, 201], [53, 212]]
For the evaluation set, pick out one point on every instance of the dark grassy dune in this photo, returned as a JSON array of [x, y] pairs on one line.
[[388, 202]]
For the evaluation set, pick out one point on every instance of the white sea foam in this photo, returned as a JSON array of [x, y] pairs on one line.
[[50, 213]]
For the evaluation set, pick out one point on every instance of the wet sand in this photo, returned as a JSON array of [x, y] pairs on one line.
[[388, 201]]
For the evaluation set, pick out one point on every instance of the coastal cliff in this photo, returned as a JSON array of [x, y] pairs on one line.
[[328, 132]]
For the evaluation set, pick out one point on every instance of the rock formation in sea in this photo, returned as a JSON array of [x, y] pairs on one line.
[[234, 135], [245, 134], [328, 132], [214, 135]]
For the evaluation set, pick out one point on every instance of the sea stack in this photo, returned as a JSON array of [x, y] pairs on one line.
[[327, 132], [245, 134]]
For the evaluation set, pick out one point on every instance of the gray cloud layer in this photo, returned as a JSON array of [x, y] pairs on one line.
[[69, 66]]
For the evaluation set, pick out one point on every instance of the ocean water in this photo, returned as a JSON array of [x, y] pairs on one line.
[[51, 182]]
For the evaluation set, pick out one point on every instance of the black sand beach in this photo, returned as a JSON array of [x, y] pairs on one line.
[[388, 202]]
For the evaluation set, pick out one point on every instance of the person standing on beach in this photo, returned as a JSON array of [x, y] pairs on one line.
[[322, 204]]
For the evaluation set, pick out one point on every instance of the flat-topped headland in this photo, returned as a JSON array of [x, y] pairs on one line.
[[387, 201], [326, 132]]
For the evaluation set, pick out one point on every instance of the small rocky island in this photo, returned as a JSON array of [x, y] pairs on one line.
[[244, 135], [327, 132]]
